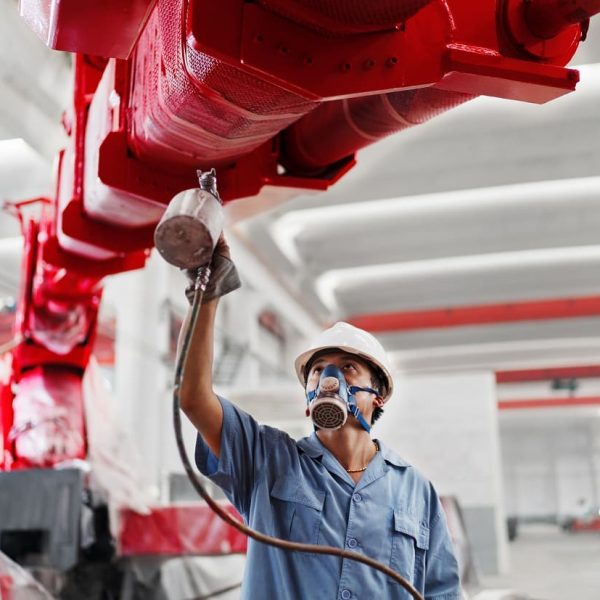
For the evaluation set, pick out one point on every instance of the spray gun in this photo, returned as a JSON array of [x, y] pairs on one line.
[[186, 237], [188, 232]]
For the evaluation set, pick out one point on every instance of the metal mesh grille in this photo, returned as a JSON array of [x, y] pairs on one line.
[[328, 416], [244, 90], [190, 109]]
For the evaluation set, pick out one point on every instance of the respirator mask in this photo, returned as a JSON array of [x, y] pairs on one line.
[[332, 400]]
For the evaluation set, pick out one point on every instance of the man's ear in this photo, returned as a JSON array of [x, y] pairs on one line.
[[378, 402]]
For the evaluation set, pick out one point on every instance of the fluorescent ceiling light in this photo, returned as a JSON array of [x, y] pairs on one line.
[[11, 245], [17, 156], [16, 150], [24, 173]]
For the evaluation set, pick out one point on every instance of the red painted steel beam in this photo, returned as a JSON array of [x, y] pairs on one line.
[[538, 310], [527, 375], [106, 28], [179, 530], [535, 403]]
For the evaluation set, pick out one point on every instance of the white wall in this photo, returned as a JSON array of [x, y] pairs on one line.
[[142, 378], [446, 425], [551, 460], [551, 456]]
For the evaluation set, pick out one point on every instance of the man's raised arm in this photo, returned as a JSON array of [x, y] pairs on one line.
[[198, 399]]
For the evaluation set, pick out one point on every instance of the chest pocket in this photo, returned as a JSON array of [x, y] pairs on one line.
[[410, 541], [297, 510]]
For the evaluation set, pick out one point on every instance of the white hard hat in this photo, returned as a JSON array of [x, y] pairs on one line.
[[352, 340]]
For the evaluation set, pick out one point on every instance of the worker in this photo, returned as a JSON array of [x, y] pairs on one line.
[[337, 487]]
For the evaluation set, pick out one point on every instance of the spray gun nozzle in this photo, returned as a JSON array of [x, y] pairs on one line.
[[208, 182]]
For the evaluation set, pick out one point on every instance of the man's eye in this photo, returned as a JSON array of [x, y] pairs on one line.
[[349, 366]]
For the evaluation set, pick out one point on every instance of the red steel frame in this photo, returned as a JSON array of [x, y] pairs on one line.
[[489, 47], [547, 374], [179, 530], [537, 403], [509, 312]]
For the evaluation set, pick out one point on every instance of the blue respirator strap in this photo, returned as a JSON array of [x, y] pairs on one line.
[[354, 409], [353, 389], [311, 396]]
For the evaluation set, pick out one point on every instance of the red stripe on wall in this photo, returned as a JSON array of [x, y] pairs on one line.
[[548, 403], [583, 372]]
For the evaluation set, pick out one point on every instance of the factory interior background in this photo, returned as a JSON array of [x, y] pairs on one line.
[[489, 208]]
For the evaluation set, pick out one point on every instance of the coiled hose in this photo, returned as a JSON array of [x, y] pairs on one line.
[[199, 288]]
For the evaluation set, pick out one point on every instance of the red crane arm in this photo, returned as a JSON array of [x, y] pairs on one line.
[[273, 93]]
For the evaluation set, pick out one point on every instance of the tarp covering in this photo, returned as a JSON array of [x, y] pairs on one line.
[[177, 530]]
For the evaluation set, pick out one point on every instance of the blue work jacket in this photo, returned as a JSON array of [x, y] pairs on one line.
[[298, 491]]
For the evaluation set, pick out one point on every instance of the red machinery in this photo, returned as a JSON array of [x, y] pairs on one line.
[[163, 88]]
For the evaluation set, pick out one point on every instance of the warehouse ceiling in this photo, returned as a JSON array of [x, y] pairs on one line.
[[493, 203], [34, 92]]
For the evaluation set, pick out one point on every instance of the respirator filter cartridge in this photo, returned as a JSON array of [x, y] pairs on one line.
[[329, 410]]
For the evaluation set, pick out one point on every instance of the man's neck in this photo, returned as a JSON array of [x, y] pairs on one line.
[[351, 446]]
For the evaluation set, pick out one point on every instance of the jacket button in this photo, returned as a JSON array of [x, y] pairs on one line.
[[352, 543], [357, 497], [346, 594]]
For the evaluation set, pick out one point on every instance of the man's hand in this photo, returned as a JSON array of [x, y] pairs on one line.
[[224, 277], [222, 247]]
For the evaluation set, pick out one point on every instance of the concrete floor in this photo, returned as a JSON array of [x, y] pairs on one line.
[[549, 564]]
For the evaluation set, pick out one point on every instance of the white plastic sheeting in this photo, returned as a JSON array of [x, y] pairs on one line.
[[116, 466], [17, 584], [186, 578]]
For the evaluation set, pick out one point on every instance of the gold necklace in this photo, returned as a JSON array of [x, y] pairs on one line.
[[365, 467]]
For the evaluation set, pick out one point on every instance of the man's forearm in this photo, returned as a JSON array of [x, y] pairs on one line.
[[198, 399]]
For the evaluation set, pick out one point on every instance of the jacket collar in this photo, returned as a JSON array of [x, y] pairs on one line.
[[391, 457], [312, 447]]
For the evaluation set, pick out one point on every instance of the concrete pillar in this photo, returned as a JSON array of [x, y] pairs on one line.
[[142, 379], [240, 325], [446, 426]]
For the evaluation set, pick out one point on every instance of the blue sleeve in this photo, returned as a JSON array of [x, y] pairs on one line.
[[245, 447], [442, 580]]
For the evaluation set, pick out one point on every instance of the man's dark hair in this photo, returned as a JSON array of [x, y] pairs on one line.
[[377, 384]]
